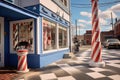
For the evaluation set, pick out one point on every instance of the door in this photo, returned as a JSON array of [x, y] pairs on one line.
[[1, 42]]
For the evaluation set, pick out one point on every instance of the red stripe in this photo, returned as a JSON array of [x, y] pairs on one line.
[[94, 50], [98, 56], [22, 50], [21, 63], [25, 66], [94, 7]]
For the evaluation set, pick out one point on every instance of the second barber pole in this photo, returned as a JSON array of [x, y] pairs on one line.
[[96, 53]]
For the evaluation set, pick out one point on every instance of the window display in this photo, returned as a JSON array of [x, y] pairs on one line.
[[62, 37], [49, 35], [22, 31]]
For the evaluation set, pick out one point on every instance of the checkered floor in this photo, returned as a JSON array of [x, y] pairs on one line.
[[78, 69]]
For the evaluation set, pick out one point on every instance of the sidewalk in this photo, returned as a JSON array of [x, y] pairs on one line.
[[7, 73], [75, 69], [10, 73]]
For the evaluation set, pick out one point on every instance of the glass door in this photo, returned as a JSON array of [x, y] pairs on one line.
[[1, 42]]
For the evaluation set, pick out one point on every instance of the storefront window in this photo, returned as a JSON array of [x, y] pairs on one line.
[[49, 35], [22, 31], [62, 37]]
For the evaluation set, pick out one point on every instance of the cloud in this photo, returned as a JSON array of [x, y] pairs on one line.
[[81, 25], [103, 21], [107, 14], [87, 14], [116, 8], [84, 21]]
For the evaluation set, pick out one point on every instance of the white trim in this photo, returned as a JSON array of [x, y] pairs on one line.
[[57, 36], [38, 35], [18, 21], [42, 34], [58, 26], [54, 50], [68, 37], [2, 41]]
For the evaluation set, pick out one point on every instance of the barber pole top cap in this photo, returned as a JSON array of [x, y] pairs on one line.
[[22, 52]]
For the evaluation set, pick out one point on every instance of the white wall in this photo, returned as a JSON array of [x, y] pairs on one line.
[[47, 3], [55, 8]]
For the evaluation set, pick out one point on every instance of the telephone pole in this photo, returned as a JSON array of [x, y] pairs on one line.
[[76, 27], [112, 20]]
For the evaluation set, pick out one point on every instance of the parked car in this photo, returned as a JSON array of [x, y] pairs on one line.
[[111, 43]]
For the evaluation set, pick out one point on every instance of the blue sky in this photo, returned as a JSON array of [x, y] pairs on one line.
[[82, 13]]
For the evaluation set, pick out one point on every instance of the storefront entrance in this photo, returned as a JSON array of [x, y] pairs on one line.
[[1, 42]]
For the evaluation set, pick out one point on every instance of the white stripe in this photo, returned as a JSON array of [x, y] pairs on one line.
[[96, 53], [98, 38], [93, 36], [22, 66], [19, 61]]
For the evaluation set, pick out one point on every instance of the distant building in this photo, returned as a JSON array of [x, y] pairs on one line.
[[117, 29], [88, 37], [106, 35]]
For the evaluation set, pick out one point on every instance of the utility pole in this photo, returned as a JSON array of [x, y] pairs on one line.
[[112, 20], [76, 28], [79, 30], [112, 23]]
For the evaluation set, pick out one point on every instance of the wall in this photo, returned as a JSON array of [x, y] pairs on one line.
[[105, 35], [117, 29], [55, 8], [50, 4], [88, 37]]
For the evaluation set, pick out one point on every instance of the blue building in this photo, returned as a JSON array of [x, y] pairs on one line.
[[44, 24]]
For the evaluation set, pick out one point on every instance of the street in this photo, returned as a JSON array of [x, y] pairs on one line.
[[78, 69]]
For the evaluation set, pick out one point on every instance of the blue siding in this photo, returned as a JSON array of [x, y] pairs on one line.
[[6, 42], [13, 60], [33, 61], [34, 8], [51, 57]]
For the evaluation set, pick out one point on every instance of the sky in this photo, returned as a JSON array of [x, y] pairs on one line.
[[81, 12]]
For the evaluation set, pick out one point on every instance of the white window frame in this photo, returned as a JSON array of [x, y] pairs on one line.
[[57, 40], [11, 39]]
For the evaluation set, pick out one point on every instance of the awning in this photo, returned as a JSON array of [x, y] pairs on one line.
[[14, 12]]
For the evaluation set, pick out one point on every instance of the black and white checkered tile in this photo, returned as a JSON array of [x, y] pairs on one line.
[[69, 69]]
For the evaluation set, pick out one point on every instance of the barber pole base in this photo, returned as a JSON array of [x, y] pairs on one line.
[[22, 61], [97, 64]]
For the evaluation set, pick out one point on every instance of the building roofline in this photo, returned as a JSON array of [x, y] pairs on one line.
[[18, 7]]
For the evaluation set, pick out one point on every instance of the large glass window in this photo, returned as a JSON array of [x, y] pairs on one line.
[[62, 37], [49, 35], [22, 31]]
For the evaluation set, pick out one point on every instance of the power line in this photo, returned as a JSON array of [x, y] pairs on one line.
[[99, 3], [89, 5]]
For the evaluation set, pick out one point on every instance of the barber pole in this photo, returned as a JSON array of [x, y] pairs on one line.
[[96, 57], [22, 61]]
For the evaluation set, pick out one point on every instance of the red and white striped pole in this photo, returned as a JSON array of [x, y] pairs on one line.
[[96, 55], [22, 61]]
